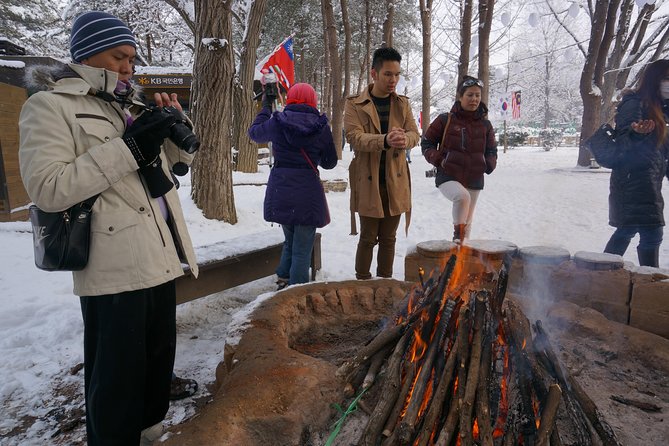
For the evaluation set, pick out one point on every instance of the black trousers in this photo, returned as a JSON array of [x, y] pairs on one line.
[[129, 343]]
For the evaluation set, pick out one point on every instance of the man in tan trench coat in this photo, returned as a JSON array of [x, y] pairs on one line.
[[380, 127]]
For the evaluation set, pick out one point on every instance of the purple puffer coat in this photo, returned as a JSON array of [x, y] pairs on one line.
[[294, 194]]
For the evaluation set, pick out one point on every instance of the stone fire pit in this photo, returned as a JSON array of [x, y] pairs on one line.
[[277, 384]]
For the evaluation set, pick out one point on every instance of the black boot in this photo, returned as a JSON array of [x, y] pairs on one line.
[[459, 233], [649, 256]]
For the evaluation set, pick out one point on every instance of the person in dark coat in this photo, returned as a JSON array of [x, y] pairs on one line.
[[301, 141], [461, 145], [635, 192]]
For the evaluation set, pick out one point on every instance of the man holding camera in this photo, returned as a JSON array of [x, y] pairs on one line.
[[85, 136]]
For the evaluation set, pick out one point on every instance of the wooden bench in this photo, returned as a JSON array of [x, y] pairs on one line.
[[234, 262]]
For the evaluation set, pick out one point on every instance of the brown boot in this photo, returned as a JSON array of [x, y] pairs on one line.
[[459, 233]]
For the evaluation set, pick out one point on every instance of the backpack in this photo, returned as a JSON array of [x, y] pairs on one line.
[[604, 146]]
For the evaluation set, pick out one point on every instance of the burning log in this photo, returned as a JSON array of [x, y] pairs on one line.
[[466, 371], [448, 430], [467, 404], [393, 333], [388, 396], [374, 367], [482, 392], [548, 415], [576, 396], [439, 397]]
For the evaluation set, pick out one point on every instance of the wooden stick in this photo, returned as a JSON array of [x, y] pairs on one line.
[[389, 393], [482, 392], [467, 403], [526, 418], [448, 430], [602, 427], [548, 415], [409, 421], [549, 360], [384, 338], [409, 376], [374, 366], [646, 407], [391, 334], [437, 405]]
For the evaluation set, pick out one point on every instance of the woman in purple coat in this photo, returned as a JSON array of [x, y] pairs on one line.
[[301, 141]]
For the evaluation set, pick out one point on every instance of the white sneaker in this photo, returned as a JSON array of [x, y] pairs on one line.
[[151, 434]]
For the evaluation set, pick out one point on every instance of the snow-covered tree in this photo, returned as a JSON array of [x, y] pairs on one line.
[[36, 26]]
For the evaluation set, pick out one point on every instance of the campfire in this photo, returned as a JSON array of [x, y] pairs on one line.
[[462, 365]]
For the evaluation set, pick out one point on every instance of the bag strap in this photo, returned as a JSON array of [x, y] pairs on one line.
[[306, 157], [88, 203], [443, 135]]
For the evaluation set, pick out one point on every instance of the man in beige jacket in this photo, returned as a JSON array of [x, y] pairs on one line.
[[380, 127], [86, 135]]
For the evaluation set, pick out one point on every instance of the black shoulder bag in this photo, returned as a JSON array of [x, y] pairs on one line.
[[604, 146], [61, 239]]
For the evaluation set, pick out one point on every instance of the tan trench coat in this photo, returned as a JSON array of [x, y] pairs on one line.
[[71, 149], [363, 132]]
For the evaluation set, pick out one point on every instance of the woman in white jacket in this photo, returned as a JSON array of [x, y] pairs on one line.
[[86, 135]]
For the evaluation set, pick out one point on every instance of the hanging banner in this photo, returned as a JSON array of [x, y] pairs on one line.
[[515, 104]]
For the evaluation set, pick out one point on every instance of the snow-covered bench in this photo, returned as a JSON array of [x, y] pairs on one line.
[[236, 261]]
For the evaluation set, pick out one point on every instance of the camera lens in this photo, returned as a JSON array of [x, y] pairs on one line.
[[182, 136]]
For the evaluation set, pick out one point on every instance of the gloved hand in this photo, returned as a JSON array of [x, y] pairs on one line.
[[269, 95], [490, 163], [145, 136]]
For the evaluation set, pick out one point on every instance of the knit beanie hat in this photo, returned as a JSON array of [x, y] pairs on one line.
[[94, 32], [302, 94]]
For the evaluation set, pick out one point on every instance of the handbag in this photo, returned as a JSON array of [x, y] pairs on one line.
[[61, 240], [327, 208], [604, 146], [440, 148]]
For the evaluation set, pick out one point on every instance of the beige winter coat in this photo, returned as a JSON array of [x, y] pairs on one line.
[[71, 149], [363, 132]]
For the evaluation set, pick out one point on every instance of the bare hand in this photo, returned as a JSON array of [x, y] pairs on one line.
[[396, 138], [643, 126], [165, 100]]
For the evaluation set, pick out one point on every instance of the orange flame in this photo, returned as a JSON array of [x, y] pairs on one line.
[[475, 429], [524, 344], [504, 396], [426, 397]]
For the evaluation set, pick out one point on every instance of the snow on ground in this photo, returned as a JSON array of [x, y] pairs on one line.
[[533, 198]]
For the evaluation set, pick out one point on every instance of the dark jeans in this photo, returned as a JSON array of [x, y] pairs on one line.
[[650, 238], [373, 231], [129, 343], [296, 253]]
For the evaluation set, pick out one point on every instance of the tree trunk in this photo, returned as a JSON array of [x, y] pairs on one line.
[[486, 8], [426, 22], [337, 117], [347, 72], [244, 108], [212, 91], [367, 57], [547, 90], [465, 40], [388, 24], [588, 86]]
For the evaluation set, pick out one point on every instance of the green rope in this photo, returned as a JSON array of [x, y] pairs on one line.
[[340, 422]]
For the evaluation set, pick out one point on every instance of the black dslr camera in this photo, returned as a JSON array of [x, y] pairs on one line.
[[181, 132]]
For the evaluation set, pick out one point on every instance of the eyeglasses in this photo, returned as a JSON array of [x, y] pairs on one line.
[[472, 82]]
